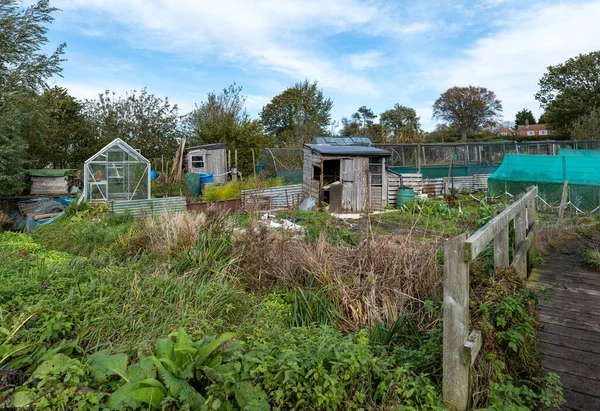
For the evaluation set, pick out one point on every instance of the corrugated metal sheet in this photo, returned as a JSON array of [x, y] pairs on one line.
[[154, 206], [273, 197]]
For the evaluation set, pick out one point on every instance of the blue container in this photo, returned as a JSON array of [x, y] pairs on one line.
[[153, 174], [205, 178]]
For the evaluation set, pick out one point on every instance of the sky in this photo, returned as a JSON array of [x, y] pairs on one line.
[[371, 52]]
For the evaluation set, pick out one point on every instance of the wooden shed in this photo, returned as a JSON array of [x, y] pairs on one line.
[[348, 178], [208, 158], [50, 181]]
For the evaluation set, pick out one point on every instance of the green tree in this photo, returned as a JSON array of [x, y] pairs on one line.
[[366, 116], [468, 107], [24, 69], [401, 125], [587, 127], [295, 116], [570, 90], [524, 117], [144, 121], [222, 118], [361, 123], [542, 119], [350, 127], [62, 137]]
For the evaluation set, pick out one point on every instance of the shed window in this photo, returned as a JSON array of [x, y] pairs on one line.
[[197, 161], [531, 133], [543, 132], [376, 170]]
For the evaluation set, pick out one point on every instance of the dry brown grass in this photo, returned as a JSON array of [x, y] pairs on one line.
[[550, 236], [377, 280], [169, 234]]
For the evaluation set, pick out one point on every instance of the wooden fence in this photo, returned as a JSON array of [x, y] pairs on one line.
[[434, 186], [461, 348]]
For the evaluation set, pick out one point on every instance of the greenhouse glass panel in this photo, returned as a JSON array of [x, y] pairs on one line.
[[117, 172]]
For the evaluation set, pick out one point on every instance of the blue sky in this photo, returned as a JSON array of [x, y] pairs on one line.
[[374, 53]]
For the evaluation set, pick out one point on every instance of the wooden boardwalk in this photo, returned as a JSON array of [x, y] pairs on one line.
[[570, 339]]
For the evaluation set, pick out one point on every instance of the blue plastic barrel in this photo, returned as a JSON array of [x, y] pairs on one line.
[[153, 174], [206, 178]]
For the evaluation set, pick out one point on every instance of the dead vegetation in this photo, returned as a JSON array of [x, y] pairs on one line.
[[371, 283]]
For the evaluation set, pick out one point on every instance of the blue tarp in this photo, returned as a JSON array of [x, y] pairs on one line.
[[47, 206]]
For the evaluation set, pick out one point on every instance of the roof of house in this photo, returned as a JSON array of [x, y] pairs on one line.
[[534, 127], [357, 151], [343, 141], [215, 146]]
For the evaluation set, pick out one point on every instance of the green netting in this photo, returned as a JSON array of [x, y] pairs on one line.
[[517, 172], [578, 153]]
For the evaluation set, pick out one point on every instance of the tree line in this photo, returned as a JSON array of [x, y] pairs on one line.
[[44, 126]]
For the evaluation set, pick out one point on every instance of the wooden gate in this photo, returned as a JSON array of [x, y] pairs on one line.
[[460, 347]]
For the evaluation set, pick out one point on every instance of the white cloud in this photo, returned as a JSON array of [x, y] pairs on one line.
[[363, 61], [511, 61], [285, 36]]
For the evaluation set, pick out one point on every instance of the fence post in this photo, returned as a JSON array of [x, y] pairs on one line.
[[520, 225], [501, 259], [455, 380]]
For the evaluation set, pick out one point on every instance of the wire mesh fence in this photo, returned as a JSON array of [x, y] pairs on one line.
[[286, 163]]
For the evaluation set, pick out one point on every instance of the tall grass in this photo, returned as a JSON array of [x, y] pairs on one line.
[[377, 280], [233, 189]]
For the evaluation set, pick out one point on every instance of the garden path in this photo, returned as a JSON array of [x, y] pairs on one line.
[[570, 338]]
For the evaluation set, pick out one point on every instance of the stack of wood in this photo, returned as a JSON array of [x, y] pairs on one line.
[[177, 168]]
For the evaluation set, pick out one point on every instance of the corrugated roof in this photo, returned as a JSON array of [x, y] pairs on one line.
[[344, 141], [215, 146], [357, 151]]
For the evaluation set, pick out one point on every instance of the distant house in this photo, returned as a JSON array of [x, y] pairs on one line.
[[533, 130], [507, 132]]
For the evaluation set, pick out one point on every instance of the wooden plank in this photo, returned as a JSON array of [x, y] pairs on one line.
[[557, 363], [482, 237], [572, 354], [581, 402], [581, 316], [520, 257], [455, 379], [567, 322], [472, 347], [580, 384], [565, 301], [569, 341], [520, 226], [501, 257]]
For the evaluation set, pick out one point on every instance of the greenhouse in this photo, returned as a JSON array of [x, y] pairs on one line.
[[117, 172], [580, 168]]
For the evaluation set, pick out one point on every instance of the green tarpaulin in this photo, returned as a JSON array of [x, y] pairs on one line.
[[47, 172]]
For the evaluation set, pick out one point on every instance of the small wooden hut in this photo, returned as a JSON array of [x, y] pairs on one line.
[[50, 181], [208, 158], [349, 178]]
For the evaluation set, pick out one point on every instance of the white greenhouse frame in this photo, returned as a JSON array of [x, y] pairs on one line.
[[117, 172]]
